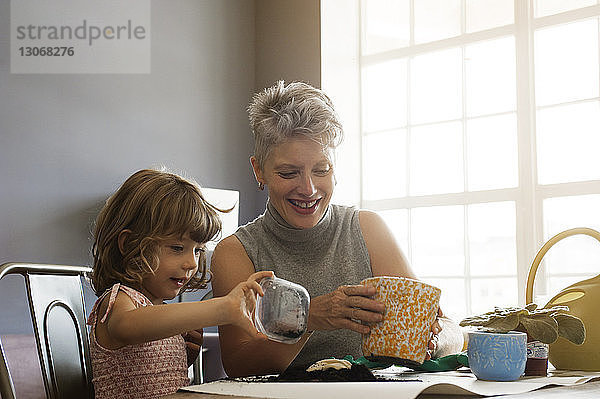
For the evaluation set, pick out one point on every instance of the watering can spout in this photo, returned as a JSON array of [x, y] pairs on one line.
[[582, 298]]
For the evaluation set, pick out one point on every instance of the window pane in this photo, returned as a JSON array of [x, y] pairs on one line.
[[397, 221], [492, 152], [436, 86], [384, 165], [566, 62], [386, 25], [384, 95], [436, 159], [549, 7], [578, 254], [453, 300], [436, 19], [568, 141], [564, 213], [573, 259], [487, 14], [437, 239], [490, 76], [492, 239], [489, 292]]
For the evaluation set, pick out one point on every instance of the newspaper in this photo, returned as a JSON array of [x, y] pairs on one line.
[[396, 382]]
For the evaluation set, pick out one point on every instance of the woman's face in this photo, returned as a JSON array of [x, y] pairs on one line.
[[299, 176]]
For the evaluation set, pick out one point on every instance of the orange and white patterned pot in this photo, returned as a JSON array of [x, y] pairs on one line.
[[410, 309]]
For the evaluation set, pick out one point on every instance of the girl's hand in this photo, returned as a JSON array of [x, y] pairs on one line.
[[193, 342], [436, 329], [346, 307], [242, 301]]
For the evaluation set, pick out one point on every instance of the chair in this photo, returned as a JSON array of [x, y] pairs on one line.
[[198, 365], [57, 308]]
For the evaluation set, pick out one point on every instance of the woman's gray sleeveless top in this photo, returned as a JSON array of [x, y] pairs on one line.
[[321, 258]]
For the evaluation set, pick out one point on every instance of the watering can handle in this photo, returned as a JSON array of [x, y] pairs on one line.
[[545, 248]]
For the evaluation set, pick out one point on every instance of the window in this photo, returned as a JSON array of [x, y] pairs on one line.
[[478, 129]]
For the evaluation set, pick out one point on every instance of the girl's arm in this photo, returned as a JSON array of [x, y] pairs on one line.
[[387, 259], [243, 354], [128, 324]]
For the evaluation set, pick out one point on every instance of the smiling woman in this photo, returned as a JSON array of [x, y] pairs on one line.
[[299, 174], [304, 238]]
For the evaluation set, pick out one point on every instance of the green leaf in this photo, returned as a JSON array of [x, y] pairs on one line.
[[552, 311], [479, 320], [571, 328], [542, 328], [545, 324], [510, 311], [500, 319], [531, 307], [504, 323]]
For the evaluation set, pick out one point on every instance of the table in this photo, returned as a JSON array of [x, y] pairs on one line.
[[590, 390]]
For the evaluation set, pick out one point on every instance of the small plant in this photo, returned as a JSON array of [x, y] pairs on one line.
[[544, 325]]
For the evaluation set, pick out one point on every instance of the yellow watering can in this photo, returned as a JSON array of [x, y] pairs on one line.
[[583, 300]]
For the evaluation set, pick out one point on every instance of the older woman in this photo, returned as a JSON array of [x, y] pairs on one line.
[[303, 238]]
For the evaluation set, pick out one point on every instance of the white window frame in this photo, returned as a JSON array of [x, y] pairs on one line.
[[528, 196]]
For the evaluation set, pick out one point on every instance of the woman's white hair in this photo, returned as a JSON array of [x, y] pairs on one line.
[[281, 112]]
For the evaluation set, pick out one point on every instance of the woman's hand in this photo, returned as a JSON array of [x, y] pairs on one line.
[[193, 343], [345, 308], [446, 337], [241, 302], [436, 329]]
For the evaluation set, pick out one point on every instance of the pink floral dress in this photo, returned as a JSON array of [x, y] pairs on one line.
[[147, 370]]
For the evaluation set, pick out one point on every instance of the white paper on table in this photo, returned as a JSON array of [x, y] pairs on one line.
[[407, 385]]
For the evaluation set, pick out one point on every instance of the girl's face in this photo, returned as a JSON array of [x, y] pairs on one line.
[[299, 176], [177, 264]]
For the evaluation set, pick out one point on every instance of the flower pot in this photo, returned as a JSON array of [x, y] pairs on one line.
[[497, 356], [410, 309]]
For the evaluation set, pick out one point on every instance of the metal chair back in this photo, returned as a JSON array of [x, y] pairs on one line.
[[57, 309]]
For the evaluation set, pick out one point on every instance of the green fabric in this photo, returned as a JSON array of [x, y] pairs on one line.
[[446, 363], [366, 362]]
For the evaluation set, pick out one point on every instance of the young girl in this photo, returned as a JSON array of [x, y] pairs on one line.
[[149, 247]]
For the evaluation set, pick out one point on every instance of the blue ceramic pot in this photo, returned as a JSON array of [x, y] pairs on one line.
[[497, 356]]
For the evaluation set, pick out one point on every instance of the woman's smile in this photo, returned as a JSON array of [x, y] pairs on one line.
[[305, 207]]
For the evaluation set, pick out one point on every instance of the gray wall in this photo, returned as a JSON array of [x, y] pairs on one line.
[[68, 141], [288, 41], [288, 46]]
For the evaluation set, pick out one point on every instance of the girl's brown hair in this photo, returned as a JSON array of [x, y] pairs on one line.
[[154, 205]]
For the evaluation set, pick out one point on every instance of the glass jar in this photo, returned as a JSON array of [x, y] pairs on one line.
[[282, 313], [537, 358]]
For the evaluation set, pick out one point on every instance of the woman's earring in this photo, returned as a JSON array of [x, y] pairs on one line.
[[261, 186]]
